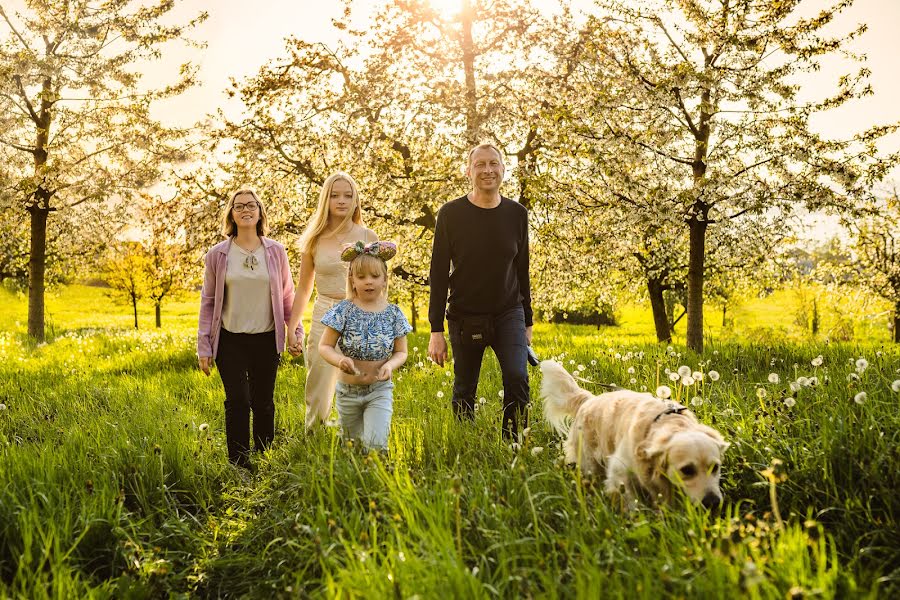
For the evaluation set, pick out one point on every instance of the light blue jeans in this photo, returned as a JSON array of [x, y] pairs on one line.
[[366, 412]]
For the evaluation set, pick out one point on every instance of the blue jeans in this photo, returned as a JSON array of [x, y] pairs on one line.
[[365, 412], [511, 349]]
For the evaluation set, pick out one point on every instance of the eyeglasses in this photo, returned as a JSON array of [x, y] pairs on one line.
[[248, 206]]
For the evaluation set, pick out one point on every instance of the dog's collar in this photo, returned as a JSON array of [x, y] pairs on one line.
[[672, 409]]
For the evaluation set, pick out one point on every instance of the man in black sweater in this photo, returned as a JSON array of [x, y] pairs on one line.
[[483, 238]]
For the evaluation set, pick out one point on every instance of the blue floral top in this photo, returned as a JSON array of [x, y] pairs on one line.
[[366, 335]]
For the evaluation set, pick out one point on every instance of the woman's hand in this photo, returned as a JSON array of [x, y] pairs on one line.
[[206, 363], [295, 341]]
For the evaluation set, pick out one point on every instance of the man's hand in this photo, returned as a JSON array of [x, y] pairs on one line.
[[437, 347], [206, 363], [529, 334]]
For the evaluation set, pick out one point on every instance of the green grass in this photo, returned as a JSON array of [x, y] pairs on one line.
[[113, 487]]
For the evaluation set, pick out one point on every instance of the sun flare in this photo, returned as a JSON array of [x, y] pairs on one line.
[[447, 8]]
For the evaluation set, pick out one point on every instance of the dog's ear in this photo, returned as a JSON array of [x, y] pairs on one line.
[[715, 435], [653, 448]]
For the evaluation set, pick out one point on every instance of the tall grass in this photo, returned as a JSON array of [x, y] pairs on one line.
[[115, 481]]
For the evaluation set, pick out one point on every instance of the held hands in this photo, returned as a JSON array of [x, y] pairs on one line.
[[295, 340], [437, 347], [206, 363]]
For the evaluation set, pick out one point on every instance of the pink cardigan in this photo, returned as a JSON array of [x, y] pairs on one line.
[[212, 295]]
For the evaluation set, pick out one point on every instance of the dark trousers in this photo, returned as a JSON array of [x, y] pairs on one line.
[[511, 349], [248, 363]]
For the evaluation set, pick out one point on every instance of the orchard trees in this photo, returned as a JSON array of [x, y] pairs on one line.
[[689, 108], [76, 114]]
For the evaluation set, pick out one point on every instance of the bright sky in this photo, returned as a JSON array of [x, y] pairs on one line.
[[241, 36]]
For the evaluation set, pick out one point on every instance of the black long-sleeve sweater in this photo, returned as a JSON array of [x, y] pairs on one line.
[[487, 249]]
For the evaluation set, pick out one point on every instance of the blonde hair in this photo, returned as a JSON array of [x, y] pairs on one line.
[[366, 263], [317, 225], [229, 227]]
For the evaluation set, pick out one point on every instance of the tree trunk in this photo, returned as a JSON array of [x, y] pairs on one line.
[[40, 210], [468, 57], [724, 312], [158, 315], [413, 313], [897, 323], [658, 306], [134, 305], [696, 265], [36, 270]]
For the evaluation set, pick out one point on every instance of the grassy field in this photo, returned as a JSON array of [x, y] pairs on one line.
[[115, 482]]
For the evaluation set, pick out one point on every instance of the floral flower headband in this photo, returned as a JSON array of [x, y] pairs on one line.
[[383, 250]]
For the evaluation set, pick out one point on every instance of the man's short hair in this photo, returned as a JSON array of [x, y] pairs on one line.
[[483, 146]]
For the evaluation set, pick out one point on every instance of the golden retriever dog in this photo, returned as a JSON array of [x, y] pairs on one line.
[[647, 447]]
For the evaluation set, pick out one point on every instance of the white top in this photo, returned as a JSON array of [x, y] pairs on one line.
[[248, 300]]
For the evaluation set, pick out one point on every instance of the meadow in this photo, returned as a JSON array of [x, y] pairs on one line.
[[115, 482]]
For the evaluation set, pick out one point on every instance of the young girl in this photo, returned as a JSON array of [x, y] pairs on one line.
[[371, 336]]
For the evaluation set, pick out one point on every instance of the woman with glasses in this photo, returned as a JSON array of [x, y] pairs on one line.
[[336, 223], [245, 303]]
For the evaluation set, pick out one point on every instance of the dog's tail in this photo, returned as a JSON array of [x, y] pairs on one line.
[[562, 396]]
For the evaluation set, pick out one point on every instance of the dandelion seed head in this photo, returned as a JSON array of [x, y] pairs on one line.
[[803, 381], [861, 364], [664, 392], [537, 450], [631, 370], [684, 371], [860, 397], [790, 402], [673, 376], [761, 393], [687, 381], [440, 394], [817, 361], [203, 427], [774, 378], [713, 375], [696, 401], [697, 375], [794, 386]]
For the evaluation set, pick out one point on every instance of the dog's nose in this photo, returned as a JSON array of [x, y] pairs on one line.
[[711, 500]]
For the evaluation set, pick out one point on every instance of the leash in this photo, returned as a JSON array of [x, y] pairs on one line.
[[609, 386]]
